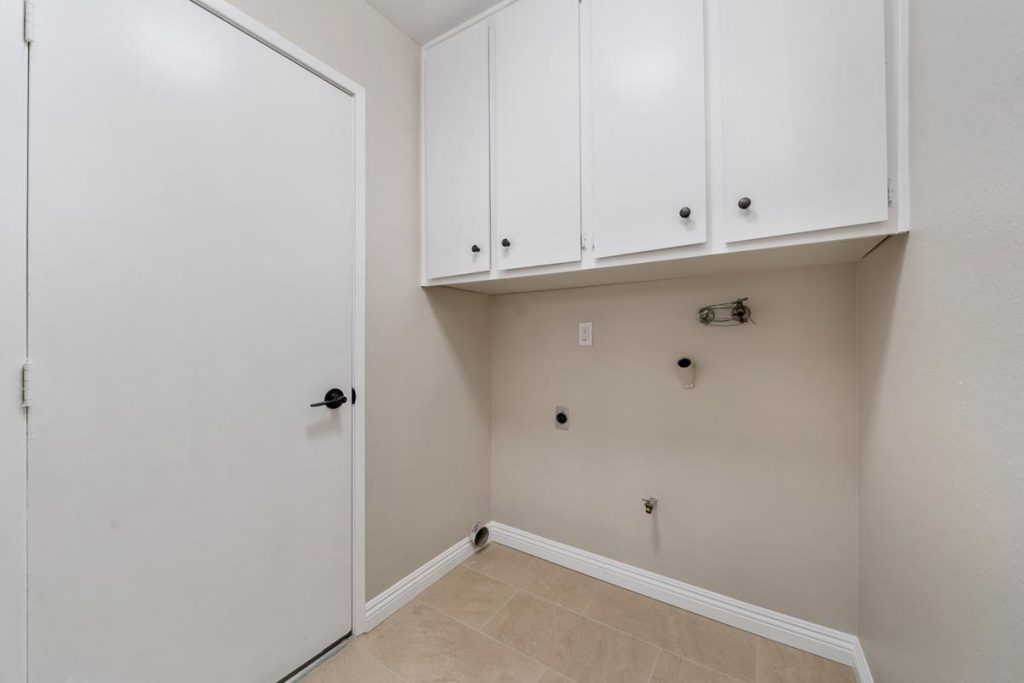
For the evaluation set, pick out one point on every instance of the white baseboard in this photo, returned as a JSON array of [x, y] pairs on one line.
[[860, 664], [803, 635], [394, 598]]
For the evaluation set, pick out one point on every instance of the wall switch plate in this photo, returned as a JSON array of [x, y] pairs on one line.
[[586, 334]]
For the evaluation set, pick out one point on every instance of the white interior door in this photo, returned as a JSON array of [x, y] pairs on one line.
[[191, 222], [803, 115], [457, 178], [648, 154], [537, 133]]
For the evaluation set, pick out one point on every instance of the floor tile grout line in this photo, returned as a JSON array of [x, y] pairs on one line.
[[545, 665], [534, 558], [419, 598], [487, 576], [377, 659], [659, 651], [657, 659], [757, 661], [614, 628], [389, 669], [488, 637], [515, 592], [592, 620], [729, 677], [581, 616], [580, 612], [683, 655], [593, 596]]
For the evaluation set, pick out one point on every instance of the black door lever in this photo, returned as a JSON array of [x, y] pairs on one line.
[[333, 399]]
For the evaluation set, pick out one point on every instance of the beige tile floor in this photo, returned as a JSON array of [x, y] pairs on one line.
[[507, 616]]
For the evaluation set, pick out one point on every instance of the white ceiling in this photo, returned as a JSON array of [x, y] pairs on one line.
[[424, 20]]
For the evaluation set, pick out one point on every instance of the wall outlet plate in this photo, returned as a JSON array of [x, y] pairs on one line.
[[586, 333]]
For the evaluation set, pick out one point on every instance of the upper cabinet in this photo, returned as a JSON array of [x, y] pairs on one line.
[[456, 155], [803, 113], [536, 191], [580, 142], [648, 154]]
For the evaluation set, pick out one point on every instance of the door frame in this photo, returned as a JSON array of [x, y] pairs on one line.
[[15, 167], [13, 446], [254, 29]]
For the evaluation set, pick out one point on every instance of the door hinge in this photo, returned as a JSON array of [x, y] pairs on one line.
[[30, 21], [891, 197], [28, 389]]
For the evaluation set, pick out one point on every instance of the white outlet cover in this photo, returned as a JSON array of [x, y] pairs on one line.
[[586, 334]]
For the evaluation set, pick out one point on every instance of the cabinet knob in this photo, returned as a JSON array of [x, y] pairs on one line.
[[744, 203], [506, 243], [684, 212], [475, 249]]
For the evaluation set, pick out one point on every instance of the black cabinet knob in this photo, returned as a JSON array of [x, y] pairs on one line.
[[506, 243], [561, 418], [475, 249], [684, 212], [744, 203]]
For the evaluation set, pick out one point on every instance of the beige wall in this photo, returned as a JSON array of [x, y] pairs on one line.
[[755, 469], [942, 379], [428, 364]]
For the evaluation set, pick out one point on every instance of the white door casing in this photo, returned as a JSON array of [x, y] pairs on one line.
[[648, 156], [195, 270], [13, 131]]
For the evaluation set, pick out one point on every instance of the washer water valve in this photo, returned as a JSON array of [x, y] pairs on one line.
[[649, 504]]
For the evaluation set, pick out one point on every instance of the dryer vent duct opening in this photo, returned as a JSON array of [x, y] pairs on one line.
[[479, 535]]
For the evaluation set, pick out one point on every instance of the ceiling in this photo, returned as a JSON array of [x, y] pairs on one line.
[[424, 20]]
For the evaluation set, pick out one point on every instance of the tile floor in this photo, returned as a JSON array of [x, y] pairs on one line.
[[507, 616]]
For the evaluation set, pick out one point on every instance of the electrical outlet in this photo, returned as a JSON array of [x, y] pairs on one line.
[[586, 334]]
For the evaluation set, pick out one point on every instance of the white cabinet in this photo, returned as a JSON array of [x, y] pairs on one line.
[[803, 115], [456, 149], [648, 153], [581, 142], [537, 134]]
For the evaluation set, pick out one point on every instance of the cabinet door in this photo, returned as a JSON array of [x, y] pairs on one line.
[[649, 160], [803, 115], [456, 110], [537, 134]]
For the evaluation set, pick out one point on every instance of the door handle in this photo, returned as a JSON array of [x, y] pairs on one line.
[[333, 399]]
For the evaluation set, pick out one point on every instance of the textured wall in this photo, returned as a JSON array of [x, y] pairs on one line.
[[942, 385], [428, 364], [755, 469]]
